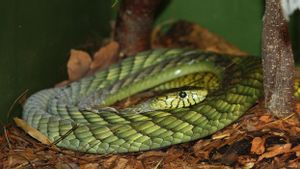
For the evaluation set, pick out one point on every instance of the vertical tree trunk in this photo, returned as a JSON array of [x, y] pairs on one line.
[[134, 25], [278, 61]]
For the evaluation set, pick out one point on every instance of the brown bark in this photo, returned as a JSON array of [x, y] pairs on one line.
[[134, 25], [278, 61]]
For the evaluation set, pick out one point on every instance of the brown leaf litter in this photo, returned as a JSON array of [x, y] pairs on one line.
[[244, 144]]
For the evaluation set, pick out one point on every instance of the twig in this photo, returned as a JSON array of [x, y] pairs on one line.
[[66, 134], [6, 138], [158, 164]]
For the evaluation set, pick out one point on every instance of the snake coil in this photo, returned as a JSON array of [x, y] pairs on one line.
[[57, 114]]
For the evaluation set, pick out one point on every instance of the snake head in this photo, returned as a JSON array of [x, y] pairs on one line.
[[169, 101], [178, 99]]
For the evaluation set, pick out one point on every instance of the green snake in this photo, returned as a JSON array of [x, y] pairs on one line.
[[82, 117]]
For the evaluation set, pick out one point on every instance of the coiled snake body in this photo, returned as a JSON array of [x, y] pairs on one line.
[[65, 115]]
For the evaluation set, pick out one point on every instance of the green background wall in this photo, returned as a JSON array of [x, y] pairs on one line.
[[237, 21], [35, 36]]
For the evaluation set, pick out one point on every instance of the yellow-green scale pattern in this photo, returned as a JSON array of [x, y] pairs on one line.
[[204, 80]]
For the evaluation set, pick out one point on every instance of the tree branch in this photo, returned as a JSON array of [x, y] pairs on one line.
[[134, 25], [278, 61]]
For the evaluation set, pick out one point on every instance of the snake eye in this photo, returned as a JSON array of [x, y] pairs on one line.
[[182, 94]]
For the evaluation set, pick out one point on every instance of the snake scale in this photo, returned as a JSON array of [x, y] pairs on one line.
[[58, 112]]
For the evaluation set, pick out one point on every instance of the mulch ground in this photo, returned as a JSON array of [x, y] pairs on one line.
[[257, 140]]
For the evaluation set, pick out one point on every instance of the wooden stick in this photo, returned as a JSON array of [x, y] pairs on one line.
[[278, 61], [134, 25]]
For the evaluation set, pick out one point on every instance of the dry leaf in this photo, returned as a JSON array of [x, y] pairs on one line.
[[32, 131], [78, 64], [105, 56], [258, 145], [276, 150]]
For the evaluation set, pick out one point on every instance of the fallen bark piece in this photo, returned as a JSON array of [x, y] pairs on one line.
[[258, 146], [276, 150]]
